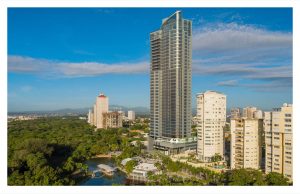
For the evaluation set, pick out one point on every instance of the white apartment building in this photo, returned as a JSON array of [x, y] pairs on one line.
[[278, 126], [211, 119], [131, 115], [246, 143]]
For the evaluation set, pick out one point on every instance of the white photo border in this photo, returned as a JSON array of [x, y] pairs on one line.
[[5, 4]]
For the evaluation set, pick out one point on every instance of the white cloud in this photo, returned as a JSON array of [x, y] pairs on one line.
[[230, 83], [245, 71], [27, 64], [70, 69], [228, 50], [272, 86], [228, 37], [93, 69]]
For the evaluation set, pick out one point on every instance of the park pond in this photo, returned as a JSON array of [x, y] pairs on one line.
[[119, 177]]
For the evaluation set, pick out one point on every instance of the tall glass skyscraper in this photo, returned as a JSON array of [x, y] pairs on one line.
[[171, 59]]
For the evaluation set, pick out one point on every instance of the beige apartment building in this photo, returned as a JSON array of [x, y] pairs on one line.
[[246, 143], [112, 119], [101, 117], [101, 107], [252, 112], [235, 113], [211, 119], [278, 126]]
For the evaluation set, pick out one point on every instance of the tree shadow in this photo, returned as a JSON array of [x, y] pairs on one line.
[[60, 154]]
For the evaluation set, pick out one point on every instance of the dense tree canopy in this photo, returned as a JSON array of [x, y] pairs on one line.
[[52, 151], [245, 177], [275, 178], [255, 177]]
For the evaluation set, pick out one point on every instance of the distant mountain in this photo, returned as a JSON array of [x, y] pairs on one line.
[[139, 110], [60, 112], [80, 111]]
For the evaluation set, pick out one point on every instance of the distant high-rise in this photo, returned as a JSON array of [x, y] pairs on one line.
[[94, 115], [101, 117], [258, 114], [279, 140], [131, 115], [112, 119], [248, 112], [211, 119], [101, 107], [235, 113], [246, 143], [90, 116], [171, 59]]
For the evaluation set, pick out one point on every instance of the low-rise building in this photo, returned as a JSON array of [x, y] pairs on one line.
[[124, 162], [174, 145], [140, 172]]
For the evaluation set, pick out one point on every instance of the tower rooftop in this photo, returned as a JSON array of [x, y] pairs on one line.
[[102, 95]]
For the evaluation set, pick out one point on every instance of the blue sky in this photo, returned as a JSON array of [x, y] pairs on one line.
[[62, 58]]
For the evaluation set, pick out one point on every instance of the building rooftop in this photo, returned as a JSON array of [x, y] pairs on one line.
[[102, 95], [125, 161], [209, 91], [106, 167], [166, 19], [146, 167]]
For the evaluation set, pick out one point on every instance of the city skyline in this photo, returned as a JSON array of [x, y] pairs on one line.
[[65, 63]]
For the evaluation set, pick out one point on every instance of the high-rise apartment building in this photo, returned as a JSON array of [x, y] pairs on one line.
[[278, 126], [171, 78], [170, 89], [211, 119], [246, 143], [101, 107], [131, 115]]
